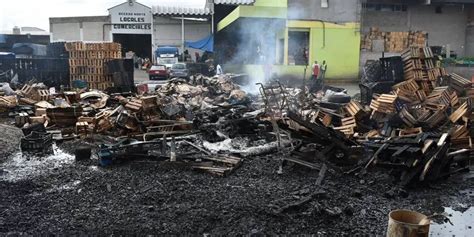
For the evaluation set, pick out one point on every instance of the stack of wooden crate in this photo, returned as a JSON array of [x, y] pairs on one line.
[[374, 34], [417, 38], [421, 66], [87, 62], [394, 41]]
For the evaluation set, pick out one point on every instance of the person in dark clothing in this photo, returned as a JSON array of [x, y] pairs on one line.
[[198, 57]]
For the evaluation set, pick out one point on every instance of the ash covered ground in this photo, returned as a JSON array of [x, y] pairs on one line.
[[58, 195]]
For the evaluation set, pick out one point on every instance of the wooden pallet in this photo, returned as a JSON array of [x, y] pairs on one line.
[[348, 126], [26, 90], [459, 83], [82, 128], [43, 95], [385, 103], [8, 101], [409, 132], [408, 85], [407, 118], [461, 111], [354, 108], [134, 105]]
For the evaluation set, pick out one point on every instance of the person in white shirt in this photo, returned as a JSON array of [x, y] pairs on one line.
[[219, 70]]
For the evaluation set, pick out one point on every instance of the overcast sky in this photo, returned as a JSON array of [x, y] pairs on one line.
[[36, 13]]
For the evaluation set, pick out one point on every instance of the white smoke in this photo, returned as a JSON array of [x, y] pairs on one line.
[[255, 43], [258, 42]]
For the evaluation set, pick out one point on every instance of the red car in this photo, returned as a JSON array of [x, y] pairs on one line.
[[157, 72]]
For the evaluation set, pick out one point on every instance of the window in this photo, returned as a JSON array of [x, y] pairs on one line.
[[385, 7], [179, 66]]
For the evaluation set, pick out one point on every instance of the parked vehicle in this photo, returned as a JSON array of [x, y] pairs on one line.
[[179, 70], [167, 55], [157, 72]]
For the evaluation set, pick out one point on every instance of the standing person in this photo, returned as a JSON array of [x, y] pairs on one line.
[[324, 68], [316, 69], [315, 82], [219, 70], [140, 62], [135, 61], [198, 57]]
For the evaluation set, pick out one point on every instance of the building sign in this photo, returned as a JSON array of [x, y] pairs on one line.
[[130, 18]]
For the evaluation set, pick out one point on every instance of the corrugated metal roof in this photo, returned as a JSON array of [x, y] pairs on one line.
[[234, 2], [180, 10]]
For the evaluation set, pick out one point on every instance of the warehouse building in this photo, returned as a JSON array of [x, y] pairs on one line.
[[142, 29], [137, 27], [448, 24]]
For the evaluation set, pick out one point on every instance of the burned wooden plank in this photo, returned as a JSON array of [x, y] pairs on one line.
[[322, 174], [375, 156], [302, 162]]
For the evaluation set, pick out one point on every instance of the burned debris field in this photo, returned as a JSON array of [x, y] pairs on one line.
[[202, 156]]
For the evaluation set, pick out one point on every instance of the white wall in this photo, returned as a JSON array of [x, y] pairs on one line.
[[94, 28], [340, 11], [96, 31], [167, 32], [65, 31]]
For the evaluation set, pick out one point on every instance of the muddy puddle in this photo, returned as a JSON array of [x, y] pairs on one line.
[[462, 224], [19, 166]]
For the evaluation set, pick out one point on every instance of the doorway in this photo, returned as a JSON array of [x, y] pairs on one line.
[[138, 43], [298, 47]]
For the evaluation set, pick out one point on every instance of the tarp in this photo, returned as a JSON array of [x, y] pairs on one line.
[[206, 44], [29, 49]]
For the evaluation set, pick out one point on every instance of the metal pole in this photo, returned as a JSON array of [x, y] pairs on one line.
[[212, 23], [153, 58], [182, 36]]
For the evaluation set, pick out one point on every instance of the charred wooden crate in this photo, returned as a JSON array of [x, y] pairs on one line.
[[368, 89], [37, 142]]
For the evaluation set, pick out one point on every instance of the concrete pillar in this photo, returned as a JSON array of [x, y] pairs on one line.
[[285, 50], [153, 60], [81, 32], [182, 36]]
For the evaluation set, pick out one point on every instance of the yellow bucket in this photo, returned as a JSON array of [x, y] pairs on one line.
[[405, 223]]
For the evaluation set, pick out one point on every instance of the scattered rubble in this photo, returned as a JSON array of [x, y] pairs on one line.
[[210, 124], [307, 160]]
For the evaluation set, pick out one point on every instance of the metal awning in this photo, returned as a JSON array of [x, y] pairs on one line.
[[208, 9], [181, 10], [234, 2], [452, 2]]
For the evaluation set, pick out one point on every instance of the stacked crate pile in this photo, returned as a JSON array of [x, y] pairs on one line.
[[374, 34], [87, 63], [417, 38], [421, 66], [394, 41]]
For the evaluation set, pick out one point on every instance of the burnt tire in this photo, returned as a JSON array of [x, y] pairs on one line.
[[83, 153], [340, 99]]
